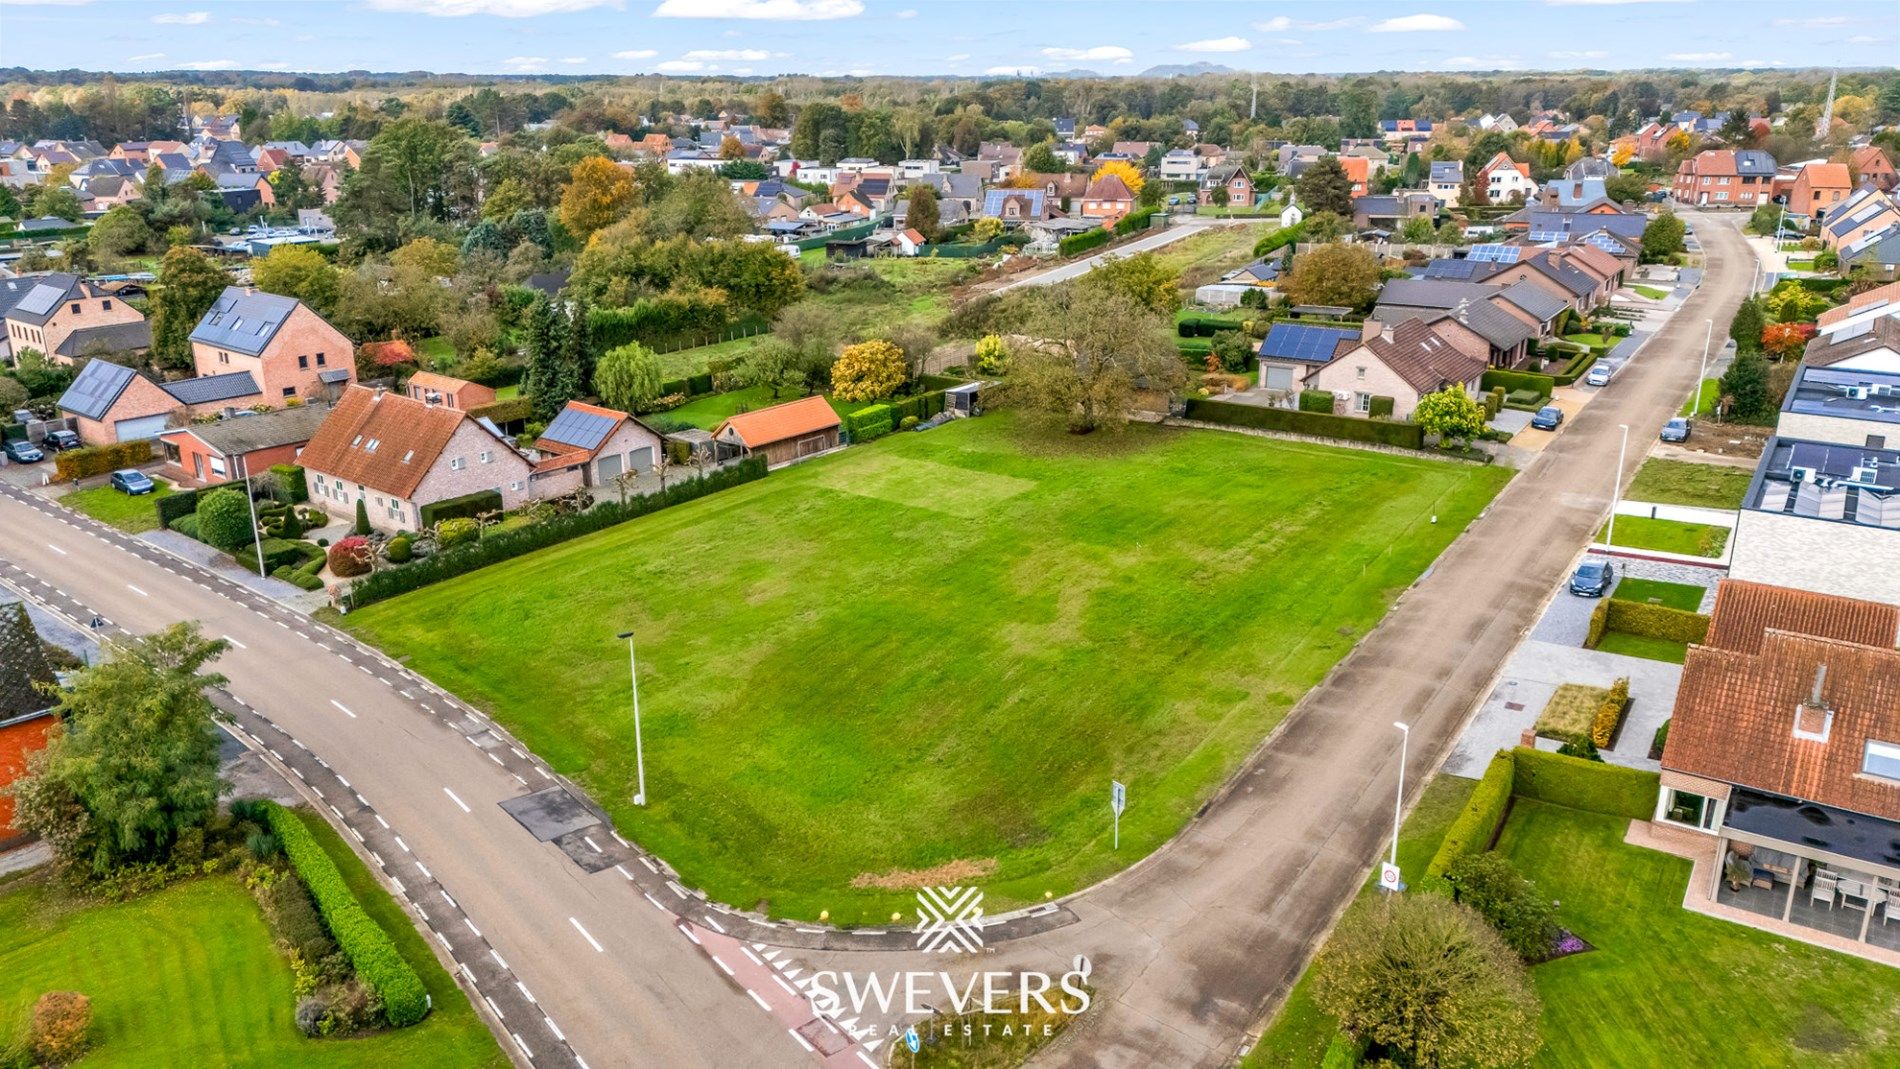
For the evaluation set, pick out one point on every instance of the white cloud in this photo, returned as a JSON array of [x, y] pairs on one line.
[[770, 10], [1097, 54], [245, 20], [681, 66], [183, 18], [957, 57], [573, 60], [145, 57], [748, 55], [1594, 53], [1864, 39], [1216, 44], [636, 53], [1608, 3], [1417, 24], [525, 63], [1699, 57], [1026, 71], [210, 65], [1280, 24], [1830, 20], [273, 66], [507, 9], [1484, 63]]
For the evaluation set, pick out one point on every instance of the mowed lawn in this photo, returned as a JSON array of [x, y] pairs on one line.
[[939, 649], [187, 977], [127, 512]]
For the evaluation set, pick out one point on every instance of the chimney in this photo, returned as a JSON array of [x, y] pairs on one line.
[[1370, 329], [1813, 718], [377, 396]]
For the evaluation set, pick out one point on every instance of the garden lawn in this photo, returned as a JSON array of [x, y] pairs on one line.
[[1594, 341], [1670, 987], [712, 410], [1651, 292], [1654, 649], [1704, 400], [1298, 1036], [124, 511], [188, 977], [435, 352], [939, 648], [1684, 596], [1685, 482], [1669, 536], [507, 393]]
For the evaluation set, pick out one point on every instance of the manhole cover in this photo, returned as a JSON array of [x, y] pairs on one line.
[[1516, 707]]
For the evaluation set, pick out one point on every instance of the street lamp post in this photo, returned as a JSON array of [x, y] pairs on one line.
[[639, 755], [1708, 338], [1616, 486], [257, 542], [1398, 800]]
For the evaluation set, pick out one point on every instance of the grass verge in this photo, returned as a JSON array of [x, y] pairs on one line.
[[1651, 292], [126, 512], [1685, 482], [1654, 649], [1669, 536], [1684, 596]]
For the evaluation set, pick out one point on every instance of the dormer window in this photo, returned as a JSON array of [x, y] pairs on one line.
[[1881, 759], [356, 441]]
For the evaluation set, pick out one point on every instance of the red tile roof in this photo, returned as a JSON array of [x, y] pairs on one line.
[[1108, 187], [1424, 360], [409, 437], [1744, 611], [1888, 293], [807, 415]]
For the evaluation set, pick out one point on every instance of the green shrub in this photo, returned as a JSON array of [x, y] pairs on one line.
[[1610, 714], [1082, 242], [224, 520], [468, 505], [1524, 919], [183, 502], [12, 432], [1316, 401], [1655, 621], [1471, 832], [1587, 785], [868, 423], [100, 459], [351, 556], [278, 553], [1513, 381], [1382, 407], [1523, 399], [399, 550], [1201, 325], [186, 525], [371, 953], [457, 531], [294, 485], [506, 545], [1599, 623], [1136, 220], [361, 527], [1398, 433], [907, 423]]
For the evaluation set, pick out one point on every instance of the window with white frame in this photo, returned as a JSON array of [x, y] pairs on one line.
[[457, 463], [516, 485], [1362, 402], [1881, 759], [487, 457]]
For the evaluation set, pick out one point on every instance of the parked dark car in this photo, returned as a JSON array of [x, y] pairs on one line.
[[1547, 418], [132, 481], [1676, 430], [1593, 579], [23, 452], [60, 441]]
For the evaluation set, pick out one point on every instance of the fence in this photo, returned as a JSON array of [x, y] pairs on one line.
[[732, 332], [843, 233]]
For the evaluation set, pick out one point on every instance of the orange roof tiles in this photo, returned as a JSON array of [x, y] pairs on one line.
[[807, 415], [407, 435], [1744, 611]]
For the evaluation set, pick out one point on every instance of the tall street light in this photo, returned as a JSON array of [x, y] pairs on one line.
[[1398, 800], [1708, 337], [1616, 488], [257, 539], [639, 755]]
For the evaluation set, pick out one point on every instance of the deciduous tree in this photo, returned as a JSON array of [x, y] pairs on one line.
[[599, 192], [1745, 384], [298, 271], [1097, 347], [922, 210], [1662, 238], [868, 371], [1344, 276], [1451, 414], [1142, 278], [1129, 174], [628, 377]]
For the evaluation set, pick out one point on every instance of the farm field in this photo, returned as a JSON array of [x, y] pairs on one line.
[[926, 658]]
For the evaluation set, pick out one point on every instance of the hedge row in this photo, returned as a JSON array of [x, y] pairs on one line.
[[1204, 326], [1083, 242], [1656, 621], [371, 953], [940, 383], [1471, 832], [1599, 623], [689, 387], [278, 553], [497, 547], [874, 421], [12, 432], [1316, 401], [1575, 369], [512, 410], [99, 459], [467, 506], [1610, 713], [1513, 381], [1592, 786], [292, 475], [1382, 407], [183, 503], [922, 405], [1136, 220], [1279, 239], [1380, 431]]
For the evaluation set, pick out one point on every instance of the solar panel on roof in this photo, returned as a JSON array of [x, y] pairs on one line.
[[1494, 254], [1292, 341], [578, 428], [40, 299]]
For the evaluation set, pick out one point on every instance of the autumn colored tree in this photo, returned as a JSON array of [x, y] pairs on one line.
[[1127, 172], [1782, 340], [599, 192], [1343, 276], [868, 371]]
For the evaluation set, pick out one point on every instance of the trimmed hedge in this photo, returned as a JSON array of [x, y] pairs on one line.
[[505, 545], [1513, 381], [1575, 369], [186, 525], [1136, 220], [184, 503], [1083, 242], [371, 952], [1316, 401], [1599, 623], [1655, 621], [1194, 325], [1382, 407], [100, 459], [1610, 714], [1591, 786], [941, 383], [920, 406], [1471, 832], [868, 423], [292, 474], [467, 506], [512, 410], [1380, 431], [12, 432], [278, 553]]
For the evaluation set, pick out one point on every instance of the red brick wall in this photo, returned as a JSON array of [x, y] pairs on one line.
[[305, 334], [16, 741]]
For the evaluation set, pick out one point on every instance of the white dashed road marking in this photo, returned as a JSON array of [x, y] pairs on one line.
[[591, 941], [456, 800], [236, 643], [345, 708], [137, 591]]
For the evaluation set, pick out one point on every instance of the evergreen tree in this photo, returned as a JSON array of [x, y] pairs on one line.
[[923, 215], [1324, 187], [1747, 326], [362, 519], [1746, 387], [577, 354], [543, 347], [188, 283]]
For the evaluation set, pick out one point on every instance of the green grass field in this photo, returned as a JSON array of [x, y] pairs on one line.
[[1651, 292], [1664, 986], [1684, 596], [1685, 482], [188, 977], [1593, 340], [937, 650], [124, 511], [1670, 536], [1704, 400], [1653, 649], [712, 410]]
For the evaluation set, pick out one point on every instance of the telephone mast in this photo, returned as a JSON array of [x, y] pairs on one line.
[[1827, 115]]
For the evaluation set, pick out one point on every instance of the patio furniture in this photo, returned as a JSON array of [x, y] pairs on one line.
[[1823, 890], [1763, 879], [1854, 894], [1892, 903], [1780, 866]]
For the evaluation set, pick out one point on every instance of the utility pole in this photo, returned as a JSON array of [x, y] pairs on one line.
[[1827, 115], [1253, 104]]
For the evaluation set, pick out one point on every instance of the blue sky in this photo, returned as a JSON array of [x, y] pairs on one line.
[[964, 37]]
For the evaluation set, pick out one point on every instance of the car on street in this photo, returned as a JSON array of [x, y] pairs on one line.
[[23, 452], [1676, 430], [132, 481], [1599, 374], [1593, 579], [1547, 418], [60, 441]]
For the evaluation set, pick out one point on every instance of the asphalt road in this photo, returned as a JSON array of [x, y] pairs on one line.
[[1146, 243], [570, 967]]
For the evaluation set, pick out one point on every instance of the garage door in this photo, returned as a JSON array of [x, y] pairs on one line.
[[1279, 378], [640, 459], [608, 467], [132, 430]]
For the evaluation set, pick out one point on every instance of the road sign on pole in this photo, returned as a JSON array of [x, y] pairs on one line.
[[1118, 801], [1389, 879]]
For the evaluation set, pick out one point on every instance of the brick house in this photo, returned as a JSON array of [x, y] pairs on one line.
[[65, 318], [1404, 363], [26, 713], [114, 403], [784, 433], [1107, 199], [1722, 178], [1503, 179], [1231, 177], [448, 391], [1818, 189], [1871, 164], [1358, 171], [289, 350], [601, 442], [396, 454], [204, 453]]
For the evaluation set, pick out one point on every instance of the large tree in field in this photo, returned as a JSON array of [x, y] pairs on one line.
[[137, 765], [1141, 278], [1344, 276], [599, 192], [1096, 347], [1324, 187], [188, 283], [1426, 981]]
